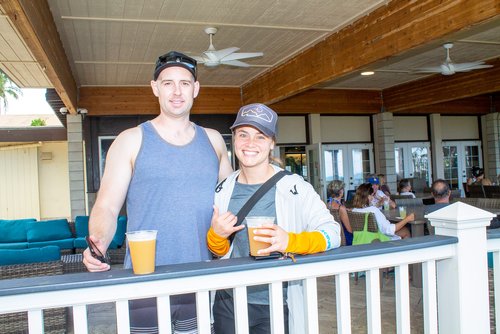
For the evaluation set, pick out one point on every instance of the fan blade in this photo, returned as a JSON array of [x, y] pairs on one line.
[[210, 56], [234, 63], [225, 52], [243, 55], [464, 67], [432, 69], [198, 59]]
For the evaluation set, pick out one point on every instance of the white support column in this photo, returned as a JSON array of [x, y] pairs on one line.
[[491, 145], [436, 147], [462, 281], [76, 165], [383, 130], [314, 128]]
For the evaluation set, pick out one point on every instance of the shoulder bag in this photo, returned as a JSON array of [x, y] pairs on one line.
[[366, 237]]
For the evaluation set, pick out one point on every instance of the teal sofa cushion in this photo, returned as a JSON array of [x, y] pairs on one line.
[[81, 226], [13, 245], [62, 243], [48, 230], [80, 243], [30, 255], [14, 230], [82, 230], [121, 228]]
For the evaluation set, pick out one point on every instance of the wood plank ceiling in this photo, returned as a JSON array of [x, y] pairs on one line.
[[99, 54]]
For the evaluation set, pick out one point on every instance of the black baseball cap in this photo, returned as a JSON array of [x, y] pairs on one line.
[[174, 58]]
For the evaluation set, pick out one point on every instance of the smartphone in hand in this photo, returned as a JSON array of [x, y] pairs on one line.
[[95, 252]]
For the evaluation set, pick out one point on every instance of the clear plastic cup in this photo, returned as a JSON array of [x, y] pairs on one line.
[[254, 223], [142, 245]]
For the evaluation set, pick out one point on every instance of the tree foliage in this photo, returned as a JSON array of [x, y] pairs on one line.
[[7, 87]]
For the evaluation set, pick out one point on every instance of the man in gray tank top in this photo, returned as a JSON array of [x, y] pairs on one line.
[[152, 167]]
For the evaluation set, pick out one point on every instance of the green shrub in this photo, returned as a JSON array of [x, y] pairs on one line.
[[38, 122]]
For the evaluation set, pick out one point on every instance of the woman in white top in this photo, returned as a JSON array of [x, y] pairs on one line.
[[361, 203], [405, 188]]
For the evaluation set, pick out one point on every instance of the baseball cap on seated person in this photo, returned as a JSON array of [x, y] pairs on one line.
[[373, 180], [259, 116], [174, 58]]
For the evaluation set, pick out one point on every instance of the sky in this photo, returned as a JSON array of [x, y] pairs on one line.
[[32, 102]]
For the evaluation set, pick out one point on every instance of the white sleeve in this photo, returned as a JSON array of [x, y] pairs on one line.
[[384, 225]]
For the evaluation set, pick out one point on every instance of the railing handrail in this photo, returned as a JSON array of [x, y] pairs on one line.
[[14, 287]]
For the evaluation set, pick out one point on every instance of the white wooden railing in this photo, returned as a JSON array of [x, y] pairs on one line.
[[455, 257]]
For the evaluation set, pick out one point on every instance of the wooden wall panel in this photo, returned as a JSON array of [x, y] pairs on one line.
[[106, 101]]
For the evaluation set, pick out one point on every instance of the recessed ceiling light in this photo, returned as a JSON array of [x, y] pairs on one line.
[[368, 73]]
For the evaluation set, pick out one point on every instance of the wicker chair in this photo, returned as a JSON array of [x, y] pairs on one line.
[[357, 220], [476, 191], [336, 215], [396, 197], [409, 202], [467, 200], [54, 319]]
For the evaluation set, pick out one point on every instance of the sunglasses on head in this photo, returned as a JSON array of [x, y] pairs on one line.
[[172, 59]]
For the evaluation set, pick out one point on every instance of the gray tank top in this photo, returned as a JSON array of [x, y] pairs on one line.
[[172, 191]]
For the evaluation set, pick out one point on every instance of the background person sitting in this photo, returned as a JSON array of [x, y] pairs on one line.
[[379, 198], [478, 177], [335, 193], [383, 184], [441, 192], [405, 188], [361, 203]]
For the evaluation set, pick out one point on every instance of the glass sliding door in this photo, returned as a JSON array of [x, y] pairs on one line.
[[413, 161], [458, 160], [350, 163]]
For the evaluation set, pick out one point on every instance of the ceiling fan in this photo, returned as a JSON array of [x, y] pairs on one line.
[[449, 68], [212, 57]]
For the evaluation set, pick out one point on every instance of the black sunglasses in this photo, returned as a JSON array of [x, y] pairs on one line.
[[176, 58], [95, 252]]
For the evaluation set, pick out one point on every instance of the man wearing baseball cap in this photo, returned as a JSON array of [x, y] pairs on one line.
[[155, 168], [379, 197]]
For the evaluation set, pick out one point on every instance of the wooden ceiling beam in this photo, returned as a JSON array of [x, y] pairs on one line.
[[440, 88], [331, 101], [105, 101], [34, 22], [389, 30]]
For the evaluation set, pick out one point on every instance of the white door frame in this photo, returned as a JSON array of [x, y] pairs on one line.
[[347, 167]]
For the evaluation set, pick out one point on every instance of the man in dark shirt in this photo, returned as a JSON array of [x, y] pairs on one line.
[[441, 193]]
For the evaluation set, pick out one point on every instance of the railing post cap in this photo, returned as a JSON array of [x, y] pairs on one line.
[[459, 211]]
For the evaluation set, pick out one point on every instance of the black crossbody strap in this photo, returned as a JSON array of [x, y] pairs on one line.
[[245, 209]]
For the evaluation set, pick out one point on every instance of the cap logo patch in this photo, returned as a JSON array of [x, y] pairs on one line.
[[257, 111]]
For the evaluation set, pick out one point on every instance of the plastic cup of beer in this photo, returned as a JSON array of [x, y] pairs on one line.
[[142, 245], [255, 223], [402, 212]]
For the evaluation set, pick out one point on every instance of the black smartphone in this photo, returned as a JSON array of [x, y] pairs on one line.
[[95, 252], [273, 255]]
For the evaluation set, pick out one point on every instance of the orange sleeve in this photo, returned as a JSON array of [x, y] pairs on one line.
[[306, 242], [217, 244]]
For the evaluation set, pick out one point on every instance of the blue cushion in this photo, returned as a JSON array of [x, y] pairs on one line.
[[80, 243], [31, 255], [14, 230], [56, 229], [62, 244], [13, 245], [121, 228], [82, 226]]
